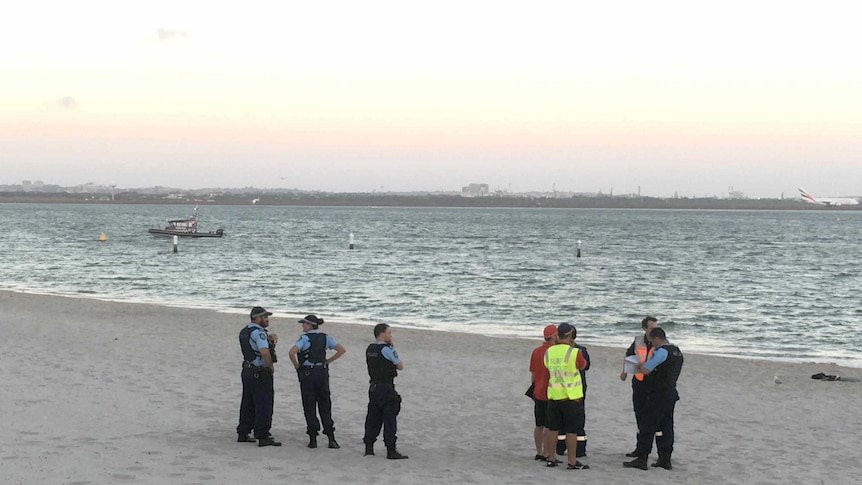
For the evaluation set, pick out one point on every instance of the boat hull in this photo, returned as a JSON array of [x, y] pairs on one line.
[[168, 232]]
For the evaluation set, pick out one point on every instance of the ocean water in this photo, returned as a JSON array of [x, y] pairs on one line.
[[778, 285]]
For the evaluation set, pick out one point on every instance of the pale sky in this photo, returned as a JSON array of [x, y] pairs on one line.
[[687, 97]]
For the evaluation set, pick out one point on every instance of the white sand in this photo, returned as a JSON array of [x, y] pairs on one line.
[[96, 392]]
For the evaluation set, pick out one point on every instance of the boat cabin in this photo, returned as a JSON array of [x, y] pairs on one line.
[[189, 225]]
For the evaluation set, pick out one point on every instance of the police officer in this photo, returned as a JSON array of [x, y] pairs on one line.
[[308, 355], [383, 402], [255, 410], [662, 371], [643, 349]]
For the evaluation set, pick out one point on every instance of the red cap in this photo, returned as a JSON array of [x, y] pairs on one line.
[[550, 330]]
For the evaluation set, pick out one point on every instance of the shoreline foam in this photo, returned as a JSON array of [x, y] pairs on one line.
[[499, 332]]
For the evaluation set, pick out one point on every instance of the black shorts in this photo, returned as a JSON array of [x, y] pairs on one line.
[[541, 411], [566, 416]]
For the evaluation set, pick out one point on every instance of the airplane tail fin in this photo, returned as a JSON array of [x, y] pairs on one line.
[[805, 195]]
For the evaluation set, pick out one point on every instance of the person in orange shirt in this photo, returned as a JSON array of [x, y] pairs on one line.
[[539, 377]]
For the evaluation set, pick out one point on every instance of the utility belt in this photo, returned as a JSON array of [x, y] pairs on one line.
[[306, 370], [257, 368]]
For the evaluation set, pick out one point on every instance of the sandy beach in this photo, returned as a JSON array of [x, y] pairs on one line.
[[100, 392]]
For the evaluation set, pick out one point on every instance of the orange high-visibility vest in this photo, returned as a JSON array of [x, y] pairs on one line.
[[642, 353]]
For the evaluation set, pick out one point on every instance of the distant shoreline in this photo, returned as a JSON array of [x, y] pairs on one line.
[[425, 200]]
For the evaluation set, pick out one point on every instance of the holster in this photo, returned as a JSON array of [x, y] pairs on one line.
[[395, 403], [302, 372]]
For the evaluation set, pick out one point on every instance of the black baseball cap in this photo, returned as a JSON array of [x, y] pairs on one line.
[[312, 320], [564, 328], [259, 311]]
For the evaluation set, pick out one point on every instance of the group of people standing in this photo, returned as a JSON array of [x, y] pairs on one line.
[[654, 394], [558, 389], [309, 358]]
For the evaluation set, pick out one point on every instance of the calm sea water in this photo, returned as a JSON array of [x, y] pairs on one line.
[[777, 285]]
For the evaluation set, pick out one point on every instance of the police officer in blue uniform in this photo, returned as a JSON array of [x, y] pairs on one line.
[[662, 371], [255, 411], [308, 355], [383, 402]]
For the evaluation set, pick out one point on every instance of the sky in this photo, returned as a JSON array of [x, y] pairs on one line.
[[659, 97]]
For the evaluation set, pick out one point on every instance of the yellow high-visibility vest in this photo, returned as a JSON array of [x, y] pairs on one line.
[[565, 381]]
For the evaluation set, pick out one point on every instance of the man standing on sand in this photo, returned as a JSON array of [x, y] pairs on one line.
[[539, 377], [255, 410], [643, 349], [582, 439], [565, 395], [384, 403], [308, 355], [662, 371]]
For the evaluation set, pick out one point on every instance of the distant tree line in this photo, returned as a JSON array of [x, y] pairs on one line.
[[417, 200]]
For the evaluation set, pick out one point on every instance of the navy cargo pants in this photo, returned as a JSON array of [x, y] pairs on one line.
[[382, 412], [314, 385], [657, 422], [255, 410]]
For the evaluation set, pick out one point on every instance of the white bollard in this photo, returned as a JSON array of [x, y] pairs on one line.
[[176, 241], [350, 241]]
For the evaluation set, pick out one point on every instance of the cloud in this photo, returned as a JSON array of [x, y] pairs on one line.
[[165, 34], [67, 102]]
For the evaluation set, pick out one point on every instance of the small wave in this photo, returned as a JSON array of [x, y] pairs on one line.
[[846, 275]]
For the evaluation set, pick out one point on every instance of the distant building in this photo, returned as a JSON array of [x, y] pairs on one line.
[[27, 185], [89, 188], [475, 190]]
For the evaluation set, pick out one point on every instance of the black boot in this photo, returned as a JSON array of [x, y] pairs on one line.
[[332, 443], [244, 438], [392, 454], [312, 441], [663, 462], [639, 462], [637, 452], [581, 449], [369, 449], [268, 441]]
